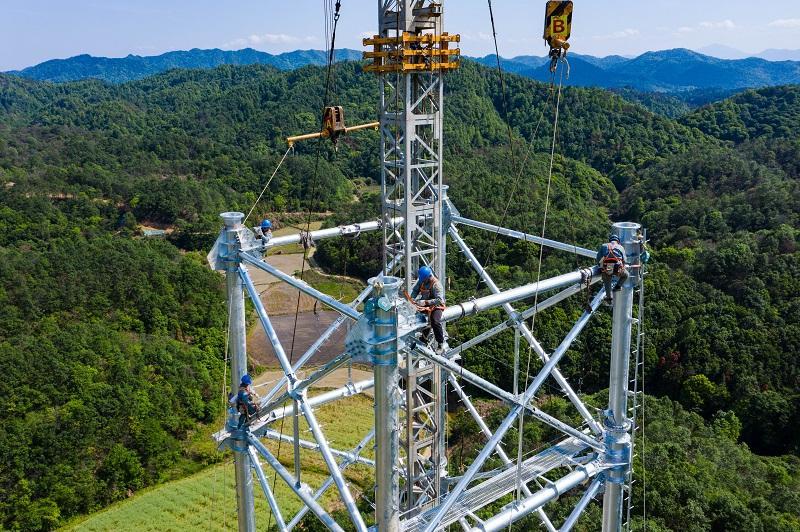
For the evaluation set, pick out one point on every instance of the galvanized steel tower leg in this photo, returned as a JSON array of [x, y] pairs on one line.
[[238, 354], [618, 440], [387, 405]]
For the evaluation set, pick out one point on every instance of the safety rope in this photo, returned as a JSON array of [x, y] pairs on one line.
[[538, 276], [314, 191], [226, 357], [267, 185]]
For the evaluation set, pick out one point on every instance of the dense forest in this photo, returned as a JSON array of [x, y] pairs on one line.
[[112, 345]]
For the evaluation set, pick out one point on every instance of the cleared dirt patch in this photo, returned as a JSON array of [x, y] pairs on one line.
[[309, 328]]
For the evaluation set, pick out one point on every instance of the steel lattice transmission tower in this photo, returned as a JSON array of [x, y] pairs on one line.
[[414, 487], [411, 54]]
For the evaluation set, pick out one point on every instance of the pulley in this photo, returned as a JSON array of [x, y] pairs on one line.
[[557, 25]]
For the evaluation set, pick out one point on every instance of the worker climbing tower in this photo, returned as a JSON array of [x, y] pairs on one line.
[[415, 487]]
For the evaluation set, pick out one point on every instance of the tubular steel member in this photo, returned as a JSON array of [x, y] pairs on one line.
[[229, 255], [382, 316], [617, 424]]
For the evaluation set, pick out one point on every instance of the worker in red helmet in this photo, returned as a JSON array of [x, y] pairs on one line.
[[428, 294]]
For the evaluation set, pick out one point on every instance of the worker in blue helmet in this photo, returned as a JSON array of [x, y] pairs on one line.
[[611, 259], [246, 400], [428, 294], [264, 231]]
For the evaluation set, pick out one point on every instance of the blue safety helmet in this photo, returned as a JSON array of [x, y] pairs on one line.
[[613, 238], [266, 225], [424, 273], [247, 380]]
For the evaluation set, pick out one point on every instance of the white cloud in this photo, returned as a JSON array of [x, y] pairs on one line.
[[621, 34], [268, 38], [785, 23], [726, 24]]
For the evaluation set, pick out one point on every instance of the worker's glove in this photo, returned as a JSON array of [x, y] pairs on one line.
[[425, 302]]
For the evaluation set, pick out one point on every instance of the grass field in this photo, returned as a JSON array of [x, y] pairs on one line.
[[207, 500]]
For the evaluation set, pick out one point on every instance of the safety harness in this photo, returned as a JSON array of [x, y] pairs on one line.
[[425, 292], [612, 262]]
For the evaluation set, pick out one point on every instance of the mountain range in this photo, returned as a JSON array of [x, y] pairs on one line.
[[662, 71], [132, 67]]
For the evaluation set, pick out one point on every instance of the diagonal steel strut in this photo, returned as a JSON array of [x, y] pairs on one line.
[[526, 332]]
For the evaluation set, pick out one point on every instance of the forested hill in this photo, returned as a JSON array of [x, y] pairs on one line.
[[132, 67], [112, 344], [676, 70]]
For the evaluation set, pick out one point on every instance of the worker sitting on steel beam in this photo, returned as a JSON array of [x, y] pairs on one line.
[[611, 258], [428, 294], [245, 403]]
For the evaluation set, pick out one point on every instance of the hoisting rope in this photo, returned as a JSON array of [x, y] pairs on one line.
[[539, 276], [314, 190], [267, 185], [512, 193]]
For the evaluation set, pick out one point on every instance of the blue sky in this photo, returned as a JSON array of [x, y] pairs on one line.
[[32, 31]]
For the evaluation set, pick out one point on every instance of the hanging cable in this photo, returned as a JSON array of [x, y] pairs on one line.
[[314, 190], [267, 185], [539, 275]]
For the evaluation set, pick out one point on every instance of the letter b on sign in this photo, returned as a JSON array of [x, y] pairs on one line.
[[558, 26]]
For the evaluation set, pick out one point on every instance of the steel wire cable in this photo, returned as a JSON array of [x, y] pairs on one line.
[[267, 185], [539, 272], [329, 8]]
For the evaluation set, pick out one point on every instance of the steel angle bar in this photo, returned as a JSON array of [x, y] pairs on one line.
[[342, 230], [561, 349], [500, 451], [262, 479], [272, 336], [594, 487], [516, 511], [474, 468], [302, 492], [333, 467], [317, 400], [353, 457], [301, 285], [527, 333], [310, 445], [525, 236]]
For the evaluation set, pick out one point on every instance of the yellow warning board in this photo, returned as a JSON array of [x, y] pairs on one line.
[[557, 22]]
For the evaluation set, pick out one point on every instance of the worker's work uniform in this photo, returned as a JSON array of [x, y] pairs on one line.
[[611, 258], [245, 404], [429, 294]]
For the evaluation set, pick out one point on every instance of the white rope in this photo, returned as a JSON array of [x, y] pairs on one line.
[[268, 182], [538, 278]]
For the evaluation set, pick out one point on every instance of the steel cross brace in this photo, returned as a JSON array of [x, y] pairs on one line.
[[526, 333], [500, 452], [300, 399], [353, 457], [516, 409], [312, 350]]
